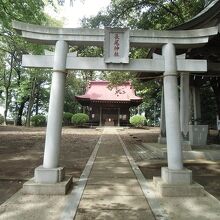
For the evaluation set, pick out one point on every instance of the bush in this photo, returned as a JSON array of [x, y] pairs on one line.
[[1, 119], [38, 120], [67, 116], [137, 120], [79, 119]]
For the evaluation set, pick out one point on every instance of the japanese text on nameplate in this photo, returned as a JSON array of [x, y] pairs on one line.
[[116, 44]]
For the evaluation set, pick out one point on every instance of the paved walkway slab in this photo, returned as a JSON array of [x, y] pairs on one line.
[[112, 190], [100, 180], [116, 215], [118, 202]]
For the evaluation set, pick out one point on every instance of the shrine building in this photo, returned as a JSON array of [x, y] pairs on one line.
[[109, 106]]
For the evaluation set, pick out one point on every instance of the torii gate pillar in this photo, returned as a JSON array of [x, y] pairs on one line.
[[50, 172], [184, 107], [162, 137], [174, 173]]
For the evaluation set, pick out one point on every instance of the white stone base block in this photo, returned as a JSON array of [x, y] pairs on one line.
[[186, 146], [61, 188], [162, 140], [169, 176], [178, 190], [198, 135], [49, 175]]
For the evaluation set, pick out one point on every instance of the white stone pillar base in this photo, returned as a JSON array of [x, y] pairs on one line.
[[169, 176], [177, 183], [198, 135], [33, 188], [49, 175], [48, 181], [178, 190]]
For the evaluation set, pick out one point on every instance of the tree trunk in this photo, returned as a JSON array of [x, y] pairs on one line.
[[7, 85], [37, 100], [6, 105], [20, 112], [31, 102]]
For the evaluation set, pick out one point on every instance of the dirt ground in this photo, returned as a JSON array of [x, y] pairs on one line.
[[21, 151]]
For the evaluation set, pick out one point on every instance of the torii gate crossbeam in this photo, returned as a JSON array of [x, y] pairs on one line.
[[96, 63]]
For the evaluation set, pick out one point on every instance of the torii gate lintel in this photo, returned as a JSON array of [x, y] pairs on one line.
[[98, 63]]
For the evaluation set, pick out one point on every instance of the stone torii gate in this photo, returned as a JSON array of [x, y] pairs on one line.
[[116, 43]]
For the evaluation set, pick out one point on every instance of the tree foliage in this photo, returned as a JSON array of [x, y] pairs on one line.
[[21, 88], [145, 14], [74, 86]]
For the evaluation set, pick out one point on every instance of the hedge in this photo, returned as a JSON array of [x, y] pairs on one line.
[[38, 120], [79, 119], [67, 116], [1, 119], [137, 120]]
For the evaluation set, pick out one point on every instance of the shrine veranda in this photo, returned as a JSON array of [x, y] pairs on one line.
[[117, 43]]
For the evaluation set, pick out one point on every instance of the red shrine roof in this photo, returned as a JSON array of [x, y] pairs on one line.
[[98, 91]]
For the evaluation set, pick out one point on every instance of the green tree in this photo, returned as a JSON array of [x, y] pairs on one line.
[[145, 14], [23, 91], [150, 91], [74, 86]]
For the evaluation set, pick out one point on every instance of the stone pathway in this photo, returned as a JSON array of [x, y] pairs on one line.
[[112, 190], [139, 151]]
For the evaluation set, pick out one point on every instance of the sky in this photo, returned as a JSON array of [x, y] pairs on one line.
[[81, 8]]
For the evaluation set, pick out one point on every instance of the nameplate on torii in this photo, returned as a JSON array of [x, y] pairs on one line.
[[116, 45]]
